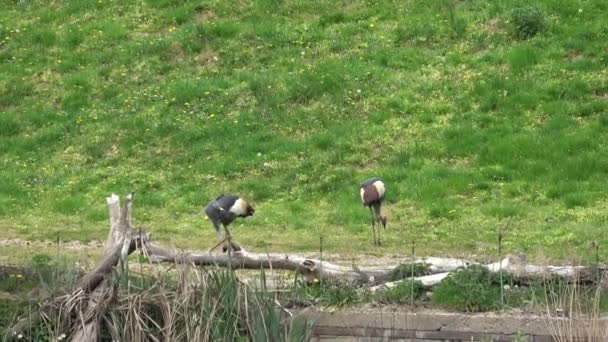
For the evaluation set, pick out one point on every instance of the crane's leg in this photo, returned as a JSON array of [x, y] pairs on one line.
[[226, 240], [218, 232], [376, 216], [229, 242], [379, 241], [227, 231], [371, 212], [216, 226]]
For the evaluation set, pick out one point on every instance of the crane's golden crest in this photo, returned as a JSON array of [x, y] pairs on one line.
[[379, 187]]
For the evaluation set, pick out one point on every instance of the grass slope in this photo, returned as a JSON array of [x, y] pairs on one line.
[[292, 104]]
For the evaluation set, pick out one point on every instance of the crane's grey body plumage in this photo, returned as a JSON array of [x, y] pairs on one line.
[[373, 191], [224, 209]]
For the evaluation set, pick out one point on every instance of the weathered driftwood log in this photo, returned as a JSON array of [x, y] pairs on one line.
[[517, 267], [439, 268], [310, 268]]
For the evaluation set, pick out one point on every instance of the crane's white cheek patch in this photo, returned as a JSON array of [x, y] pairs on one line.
[[380, 187], [362, 195], [239, 207]]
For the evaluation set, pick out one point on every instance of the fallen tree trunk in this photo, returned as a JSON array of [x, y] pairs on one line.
[[310, 268], [439, 268]]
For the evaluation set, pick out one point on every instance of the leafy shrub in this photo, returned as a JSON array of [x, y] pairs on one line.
[[472, 289], [332, 293], [404, 292], [41, 260], [408, 270], [341, 294], [527, 21]]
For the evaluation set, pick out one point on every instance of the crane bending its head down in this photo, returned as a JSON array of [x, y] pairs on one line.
[[373, 191], [225, 209]]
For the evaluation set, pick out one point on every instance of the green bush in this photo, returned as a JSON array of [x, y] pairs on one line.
[[410, 270], [331, 293], [340, 294], [527, 21], [404, 292], [472, 289], [41, 260]]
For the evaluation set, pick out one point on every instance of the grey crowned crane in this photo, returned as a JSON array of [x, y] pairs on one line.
[[225, 209], [372, 195]]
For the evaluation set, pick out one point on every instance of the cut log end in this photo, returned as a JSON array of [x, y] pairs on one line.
[[112, 199]]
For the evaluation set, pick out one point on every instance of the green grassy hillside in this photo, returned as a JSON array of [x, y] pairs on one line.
[[475, 113]]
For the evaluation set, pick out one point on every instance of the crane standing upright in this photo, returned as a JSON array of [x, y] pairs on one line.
[[372, 192]]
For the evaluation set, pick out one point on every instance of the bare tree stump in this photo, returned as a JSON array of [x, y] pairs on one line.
[[118, 247]]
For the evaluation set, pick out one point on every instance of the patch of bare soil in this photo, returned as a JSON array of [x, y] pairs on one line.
[[204, 16], [74, 245], [177, 51], [206, 57], [339, 258], [573, 56], [493, 26]]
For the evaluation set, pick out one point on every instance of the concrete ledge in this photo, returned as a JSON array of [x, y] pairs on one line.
[[435, 326]]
